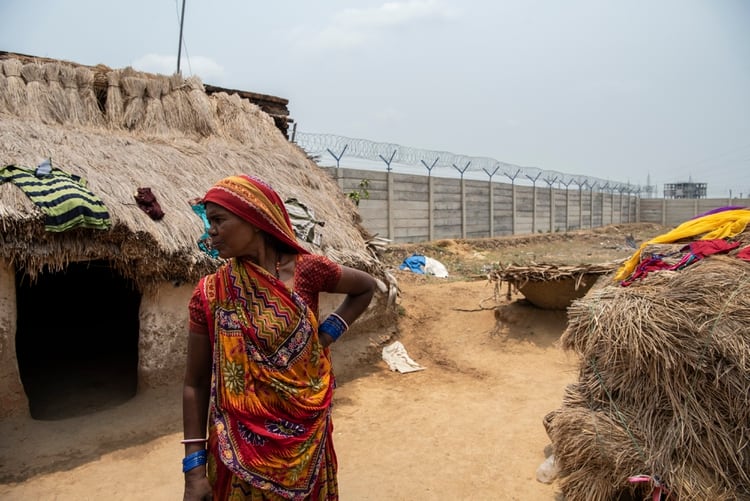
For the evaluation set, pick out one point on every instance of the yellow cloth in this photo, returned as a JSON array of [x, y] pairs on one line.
[[725, 224]]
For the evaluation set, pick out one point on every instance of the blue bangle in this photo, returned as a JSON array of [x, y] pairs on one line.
[[194, 460], [334, 326]]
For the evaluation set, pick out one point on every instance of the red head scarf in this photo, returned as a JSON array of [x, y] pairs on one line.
[[257, 203]]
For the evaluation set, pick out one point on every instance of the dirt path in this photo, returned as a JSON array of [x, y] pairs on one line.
[[467, 427]]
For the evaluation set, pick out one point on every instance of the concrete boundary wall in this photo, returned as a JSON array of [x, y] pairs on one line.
[[418, 208], [672, 212]]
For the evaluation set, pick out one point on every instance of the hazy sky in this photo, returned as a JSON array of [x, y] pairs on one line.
[[618, 89]]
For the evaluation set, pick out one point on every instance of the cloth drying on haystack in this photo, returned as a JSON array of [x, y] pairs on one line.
[[664, 381], [703, 235]]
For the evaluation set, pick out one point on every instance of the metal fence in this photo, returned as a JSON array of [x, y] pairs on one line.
[[395, 157]]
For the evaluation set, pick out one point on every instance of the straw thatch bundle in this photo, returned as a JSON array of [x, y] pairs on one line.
[[33, 75], [54, 98], [580, 434], [72, 99], [178, 112], [90, 104], [15, 87], [241, 120], [134, 89], [115, 109], [154, 121], [664, 387], [3, 87], [203, 108], [115, 161]]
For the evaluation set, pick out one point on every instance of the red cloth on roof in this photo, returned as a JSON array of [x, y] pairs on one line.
[[695, 251], [147, 202], [703, 248], [744, 253]]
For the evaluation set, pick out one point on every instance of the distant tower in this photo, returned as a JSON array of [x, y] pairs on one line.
[[649, 189]]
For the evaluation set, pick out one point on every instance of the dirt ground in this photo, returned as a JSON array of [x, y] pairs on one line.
[[467, 427]]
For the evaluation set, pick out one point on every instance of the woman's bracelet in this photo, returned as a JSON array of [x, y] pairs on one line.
[[194, 460], [193, 440], [334, 326]]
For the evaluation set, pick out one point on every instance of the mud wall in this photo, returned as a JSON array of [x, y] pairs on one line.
[[12, 397], [162, 341]]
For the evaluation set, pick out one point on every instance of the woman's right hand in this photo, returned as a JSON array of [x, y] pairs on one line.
[[197, 487]]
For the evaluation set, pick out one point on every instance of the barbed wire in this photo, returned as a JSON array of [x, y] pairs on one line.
[[338, 147]]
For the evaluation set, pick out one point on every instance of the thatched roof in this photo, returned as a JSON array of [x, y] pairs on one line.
[[161, 132], [663, 386]]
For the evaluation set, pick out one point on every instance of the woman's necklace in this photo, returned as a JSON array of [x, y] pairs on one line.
[[276, 269]]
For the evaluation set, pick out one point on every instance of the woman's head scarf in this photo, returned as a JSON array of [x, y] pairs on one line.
[[257, 203]]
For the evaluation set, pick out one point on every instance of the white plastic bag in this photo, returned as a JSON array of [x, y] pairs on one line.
[[547, 472], [435, 267]]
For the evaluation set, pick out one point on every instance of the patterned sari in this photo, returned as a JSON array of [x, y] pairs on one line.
[[270, 430]]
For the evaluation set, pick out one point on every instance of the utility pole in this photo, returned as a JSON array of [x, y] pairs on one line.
[[179, 47]]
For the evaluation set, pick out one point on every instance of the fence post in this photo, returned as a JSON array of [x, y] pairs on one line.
[[339, 177], [605, 189], [567, 202], [638, 205], [533, 201], [580, 202], [591, 202], [550, 182], [389, 202], [513, 201], [430, 208], [630, 192], [391, 229], [492, 201], [463, 198]]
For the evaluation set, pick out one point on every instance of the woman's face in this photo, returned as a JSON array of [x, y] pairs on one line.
[[231, 235]]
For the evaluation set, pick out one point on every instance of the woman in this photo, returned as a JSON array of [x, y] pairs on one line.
[[258, 370]]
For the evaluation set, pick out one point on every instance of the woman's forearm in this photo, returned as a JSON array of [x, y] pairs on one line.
[[194, 415], [359, 288], [196, 390]]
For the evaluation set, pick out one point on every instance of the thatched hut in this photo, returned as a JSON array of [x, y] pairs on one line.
[[108, 304], [661, 409]]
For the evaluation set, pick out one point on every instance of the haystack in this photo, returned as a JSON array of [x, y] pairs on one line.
[[121, 132], [664, 386]]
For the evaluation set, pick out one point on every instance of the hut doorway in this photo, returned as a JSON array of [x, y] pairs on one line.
[[77, 339]]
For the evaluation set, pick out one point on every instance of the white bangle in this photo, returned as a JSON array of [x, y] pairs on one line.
[[346, 325], [193, 440]]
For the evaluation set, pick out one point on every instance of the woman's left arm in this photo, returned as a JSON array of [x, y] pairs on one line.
[[359, 288]]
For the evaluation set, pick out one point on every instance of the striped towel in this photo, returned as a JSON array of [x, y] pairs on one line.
[[62, 197]]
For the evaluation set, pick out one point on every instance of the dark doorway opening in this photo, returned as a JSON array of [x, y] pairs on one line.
[[77, 339]]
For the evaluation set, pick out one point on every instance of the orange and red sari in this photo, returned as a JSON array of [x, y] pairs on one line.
[[270, 430]]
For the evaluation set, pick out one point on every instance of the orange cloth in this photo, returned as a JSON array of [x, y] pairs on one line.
[[272, 385]]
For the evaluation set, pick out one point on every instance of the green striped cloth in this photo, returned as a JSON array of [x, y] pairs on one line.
[[63, 198]]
